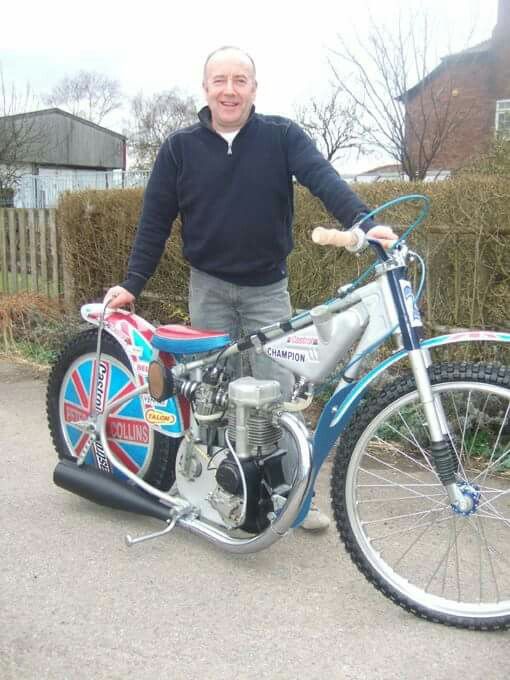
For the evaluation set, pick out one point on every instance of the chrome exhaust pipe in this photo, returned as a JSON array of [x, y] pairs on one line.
[[278, 528], [106, 490]]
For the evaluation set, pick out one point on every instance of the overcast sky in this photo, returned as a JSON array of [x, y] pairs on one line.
[[151, 46]]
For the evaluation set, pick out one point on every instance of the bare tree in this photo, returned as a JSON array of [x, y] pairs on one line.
[[88, 94], [153, 119], [21, 134], [406, 113], [331, 122]]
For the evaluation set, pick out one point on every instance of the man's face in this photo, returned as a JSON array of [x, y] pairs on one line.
[[230, 88]]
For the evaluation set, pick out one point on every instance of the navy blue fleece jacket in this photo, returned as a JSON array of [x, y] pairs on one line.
[[235, 202]]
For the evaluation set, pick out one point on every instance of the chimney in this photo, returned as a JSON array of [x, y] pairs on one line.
[[500, 70], [502, 28]]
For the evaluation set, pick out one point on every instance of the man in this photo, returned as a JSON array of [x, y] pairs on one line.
[[230, 177]]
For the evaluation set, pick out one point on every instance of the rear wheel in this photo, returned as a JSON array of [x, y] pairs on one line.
[[393, 513], [147, 453]]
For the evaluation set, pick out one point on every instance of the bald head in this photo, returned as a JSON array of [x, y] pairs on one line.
[[229, 52], [230, 88]]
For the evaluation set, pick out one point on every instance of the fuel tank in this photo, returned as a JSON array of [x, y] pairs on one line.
[[314, 351]]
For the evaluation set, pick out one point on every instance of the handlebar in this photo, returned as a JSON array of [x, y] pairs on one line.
[[344, 239], [333, 237]]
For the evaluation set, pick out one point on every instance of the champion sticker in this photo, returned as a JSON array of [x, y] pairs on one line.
[[288, 354]]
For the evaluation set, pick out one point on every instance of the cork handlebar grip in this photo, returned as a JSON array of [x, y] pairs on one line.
[[333, 237]]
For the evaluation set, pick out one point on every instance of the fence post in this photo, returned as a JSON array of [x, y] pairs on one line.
[[44, 257], [3, 251], [54, 252], [67, 276], [12, 248], [32, 237], [22, 228]]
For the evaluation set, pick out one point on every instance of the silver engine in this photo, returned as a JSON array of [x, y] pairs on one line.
[[232, 436]]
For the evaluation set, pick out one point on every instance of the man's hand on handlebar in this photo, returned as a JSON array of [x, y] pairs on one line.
[[118, 297], [385, 235], [354, 239]]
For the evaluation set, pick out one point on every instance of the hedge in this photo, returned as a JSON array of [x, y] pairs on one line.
[[465, 239]]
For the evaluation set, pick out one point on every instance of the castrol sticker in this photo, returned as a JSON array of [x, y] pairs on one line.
[[102, 385], [301, 340], [159, 418]]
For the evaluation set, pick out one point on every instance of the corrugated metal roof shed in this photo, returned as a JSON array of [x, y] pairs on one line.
[[62, 139]]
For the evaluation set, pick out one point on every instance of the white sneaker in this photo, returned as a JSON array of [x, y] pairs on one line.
[[315, 520]]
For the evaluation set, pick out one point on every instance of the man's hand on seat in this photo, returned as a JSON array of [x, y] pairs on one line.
[[117, 297]]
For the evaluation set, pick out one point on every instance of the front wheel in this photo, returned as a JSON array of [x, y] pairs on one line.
[[394, 516]]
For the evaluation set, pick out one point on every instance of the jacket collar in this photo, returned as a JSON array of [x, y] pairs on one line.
[[204, 116]]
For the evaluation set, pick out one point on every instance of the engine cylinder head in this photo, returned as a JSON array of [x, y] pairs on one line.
[[263, 435]]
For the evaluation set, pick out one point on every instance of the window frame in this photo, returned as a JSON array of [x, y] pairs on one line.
[[499, 110]]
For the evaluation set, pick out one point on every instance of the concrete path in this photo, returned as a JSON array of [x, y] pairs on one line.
[[76, 603]]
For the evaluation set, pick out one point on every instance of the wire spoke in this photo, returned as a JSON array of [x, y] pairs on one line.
[[397, 517], [447, 553], [399, 532], [494, 464], [446, 565], [491, 563], [392, 467], [494, 498], [413, 543], [414, 441], [401, 498], [463, 439], [496, 445], [378, 486], [457, 558], [496, 517], [428, 467], [451, 439], [477, 428], [401, 486]]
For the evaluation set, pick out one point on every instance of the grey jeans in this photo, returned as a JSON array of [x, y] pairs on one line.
[[240, 310]]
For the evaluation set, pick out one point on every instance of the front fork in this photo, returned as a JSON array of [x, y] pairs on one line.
[[443, 454]]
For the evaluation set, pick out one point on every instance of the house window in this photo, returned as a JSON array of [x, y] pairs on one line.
[[503, 118]]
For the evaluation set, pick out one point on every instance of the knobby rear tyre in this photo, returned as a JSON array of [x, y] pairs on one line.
[[68, 392]]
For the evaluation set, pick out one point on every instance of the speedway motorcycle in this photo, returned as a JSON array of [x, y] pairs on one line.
[[151, 420]]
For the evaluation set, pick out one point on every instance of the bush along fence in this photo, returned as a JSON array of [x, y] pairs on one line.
[[31, 256], [468, 283]]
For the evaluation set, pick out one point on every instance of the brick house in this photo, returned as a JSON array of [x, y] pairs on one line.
[[474, 87]]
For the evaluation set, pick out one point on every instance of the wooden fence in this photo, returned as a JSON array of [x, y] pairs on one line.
[[31, 253]]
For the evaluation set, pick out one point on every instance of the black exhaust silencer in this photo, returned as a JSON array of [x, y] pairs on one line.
[[104, 489]]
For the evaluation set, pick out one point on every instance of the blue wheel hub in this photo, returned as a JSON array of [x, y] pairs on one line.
[[471, 492]]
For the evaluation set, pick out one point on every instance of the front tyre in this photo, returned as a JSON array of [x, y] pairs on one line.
[[147, 453], [394, 516]]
